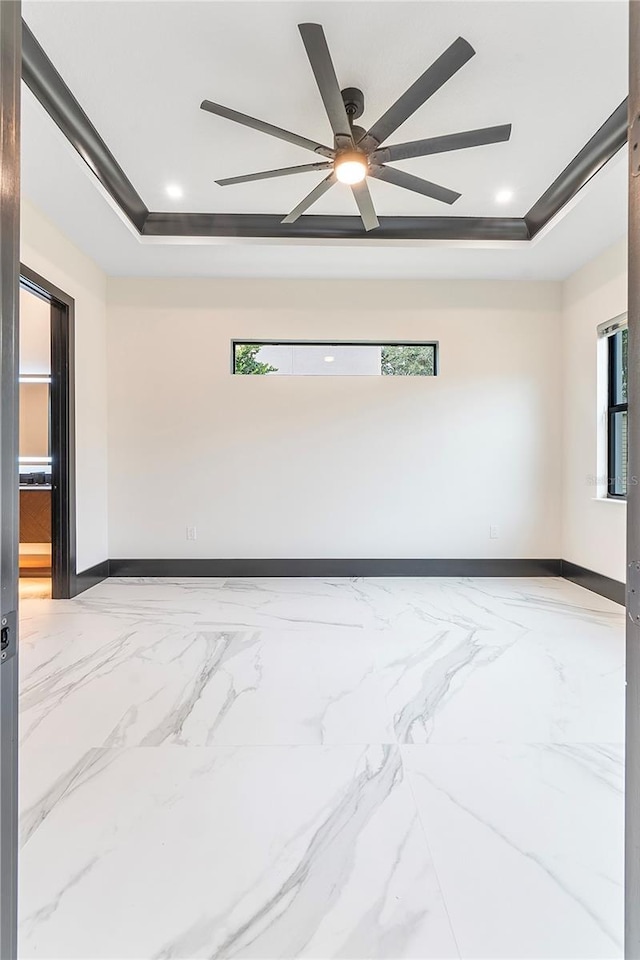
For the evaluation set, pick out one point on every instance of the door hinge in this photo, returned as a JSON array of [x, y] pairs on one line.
[[8, 635], [633, 591], [634, 146]]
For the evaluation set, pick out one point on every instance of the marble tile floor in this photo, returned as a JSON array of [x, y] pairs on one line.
[[265, 768]]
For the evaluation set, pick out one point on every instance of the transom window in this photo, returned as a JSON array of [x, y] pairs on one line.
[[331, 358]]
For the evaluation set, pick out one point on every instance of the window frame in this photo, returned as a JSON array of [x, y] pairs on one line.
[[244, 341], [613, 408]]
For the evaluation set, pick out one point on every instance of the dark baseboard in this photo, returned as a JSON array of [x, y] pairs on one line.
[[92, 576], [331, 567], [334, 568], [596, 582]]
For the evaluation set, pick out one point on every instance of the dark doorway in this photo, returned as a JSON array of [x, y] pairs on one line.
[[47, 480]]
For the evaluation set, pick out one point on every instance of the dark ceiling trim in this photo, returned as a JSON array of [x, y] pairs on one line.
[[333, 227], [602, 146], [44, 81], [46, 84]]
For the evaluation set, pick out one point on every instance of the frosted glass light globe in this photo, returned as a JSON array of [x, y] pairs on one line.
[[352, 168]]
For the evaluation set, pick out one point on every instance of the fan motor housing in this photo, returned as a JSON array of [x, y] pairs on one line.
[[353, 102]]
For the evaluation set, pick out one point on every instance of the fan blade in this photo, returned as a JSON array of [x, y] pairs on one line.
[[453, 141], [311, 198], [409, 182], [320, 59], [268, 174], [365, 205], [264, 127], [419, 92]]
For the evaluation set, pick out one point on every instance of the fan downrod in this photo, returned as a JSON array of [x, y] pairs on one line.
[[353, 102]]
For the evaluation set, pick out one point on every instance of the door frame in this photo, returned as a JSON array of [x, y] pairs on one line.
[[632, 749], [10, 70], [63, 447]]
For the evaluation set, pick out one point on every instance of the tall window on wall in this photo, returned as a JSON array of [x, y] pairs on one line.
[[617, 435]]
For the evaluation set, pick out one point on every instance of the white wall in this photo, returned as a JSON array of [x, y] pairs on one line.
[[324, 466], [34, 424], [593, 528], [35, 334], [361, 467], [35, 359], [48, 252]]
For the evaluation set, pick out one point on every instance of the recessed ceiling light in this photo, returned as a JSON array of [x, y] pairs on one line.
[[174, 191], [504, 196], [329, 359]]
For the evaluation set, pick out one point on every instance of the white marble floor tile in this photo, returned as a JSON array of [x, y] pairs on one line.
[[479, 686], [258, 687], [148, 684], [209, 769], [425, 673], [173, 852], [528, 845], [45, 776], [204, 604], [398, 605], [81, 689]]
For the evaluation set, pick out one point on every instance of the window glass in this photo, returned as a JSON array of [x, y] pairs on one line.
[[335, 359], [617, 414]]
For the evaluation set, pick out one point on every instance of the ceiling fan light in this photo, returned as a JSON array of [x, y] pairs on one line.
[[351, 168]]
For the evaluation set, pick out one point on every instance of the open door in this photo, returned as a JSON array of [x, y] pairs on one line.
[[10, 68], [58, 475]]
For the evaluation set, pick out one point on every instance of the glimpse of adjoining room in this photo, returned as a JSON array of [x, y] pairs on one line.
[[35, 446]]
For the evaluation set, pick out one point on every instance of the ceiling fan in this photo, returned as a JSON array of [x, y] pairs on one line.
[[358, 153]]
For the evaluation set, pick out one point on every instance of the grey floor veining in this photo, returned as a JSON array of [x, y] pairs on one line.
[[322, 768]]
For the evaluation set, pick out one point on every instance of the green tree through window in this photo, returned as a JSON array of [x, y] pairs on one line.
[[408, 361], [245, 360]]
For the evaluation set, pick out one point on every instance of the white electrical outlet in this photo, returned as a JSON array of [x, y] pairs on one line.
[[192, 533], [493, 532]]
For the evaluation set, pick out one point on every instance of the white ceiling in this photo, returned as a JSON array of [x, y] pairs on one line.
[[555, 69]]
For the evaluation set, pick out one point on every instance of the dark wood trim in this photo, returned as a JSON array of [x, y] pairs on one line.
[[43, 288], [582, 576], [46, 84], [595, 582], [333, 227], [602, 146], [318, 567], [49, 88], [92, 576], [63, 469], [10, 58], [399, 567]]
